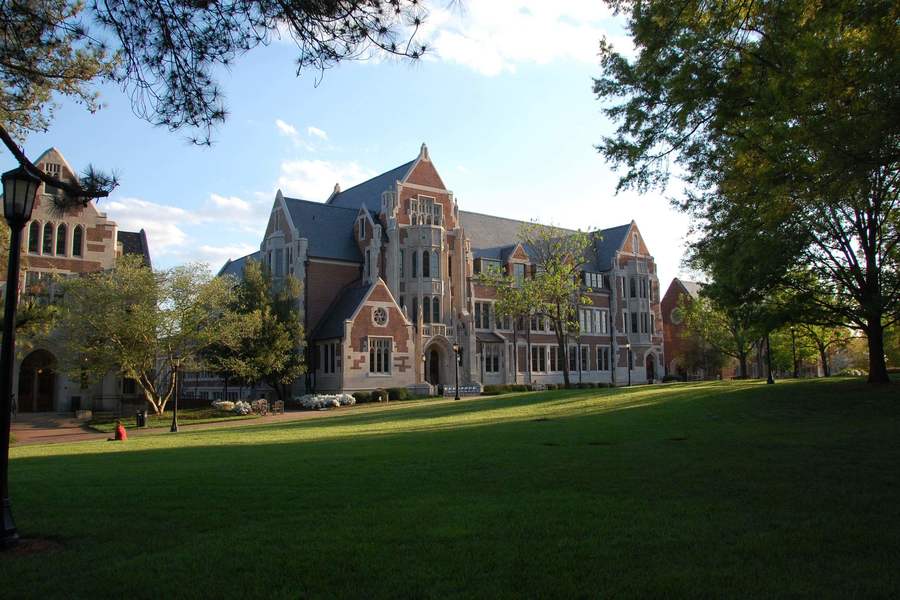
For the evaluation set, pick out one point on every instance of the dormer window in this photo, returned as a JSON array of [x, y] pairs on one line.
[[361, 226]]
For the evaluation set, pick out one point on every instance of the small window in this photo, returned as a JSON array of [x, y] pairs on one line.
[[436, 310], [519, 273], [426, 309], [426, 264], [435, 265], [47, 247], [634, 243], [34, 236], [402, 256], [415, 264], [380, 355], [61, 239], [380, 316], [77, 238], [361, 224]]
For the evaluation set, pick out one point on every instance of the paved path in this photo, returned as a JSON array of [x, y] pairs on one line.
[[52, 428]]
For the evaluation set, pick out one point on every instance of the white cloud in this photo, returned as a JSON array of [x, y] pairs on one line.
[[217, 255], [286, 129], [162, 223], [232, 202], [316, 132], [315, 179], [494, 36]]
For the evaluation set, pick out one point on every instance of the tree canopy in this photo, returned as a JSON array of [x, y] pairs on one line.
[[782, 118]]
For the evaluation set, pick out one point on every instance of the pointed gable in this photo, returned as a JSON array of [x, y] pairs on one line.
[[424, 173]]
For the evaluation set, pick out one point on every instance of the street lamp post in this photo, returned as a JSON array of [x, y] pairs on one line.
[[628, 350], [174, 427], [19, 191], [456, 349]]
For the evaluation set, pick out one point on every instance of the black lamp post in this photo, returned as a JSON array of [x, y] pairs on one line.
[[630, 361], [456, 350], [19, 190]]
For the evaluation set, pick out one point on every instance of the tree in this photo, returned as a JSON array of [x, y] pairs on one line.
[[146, 324], [516, 300], [558, 257], [728, 330], [824, 340], [268, 342], [788, 108], [166, 54]]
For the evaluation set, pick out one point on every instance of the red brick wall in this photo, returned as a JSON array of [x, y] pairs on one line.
[[672, 333], [426, 174], [396, 328], [323, 283]]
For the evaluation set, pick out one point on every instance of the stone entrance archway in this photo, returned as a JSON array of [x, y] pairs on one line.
[[437, 366], [37, 382]]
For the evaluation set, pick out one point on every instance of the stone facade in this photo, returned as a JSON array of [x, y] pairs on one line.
[[400, 243]]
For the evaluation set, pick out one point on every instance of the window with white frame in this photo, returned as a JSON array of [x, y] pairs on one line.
[[361, 227], [519, 273], [593, 320], [593, 280], [424, 211], [491, 354], [553, 359], [585, 358], [482, 315], [573, 358], [329, 357], [538, 359], [380, 355], [603, 358]]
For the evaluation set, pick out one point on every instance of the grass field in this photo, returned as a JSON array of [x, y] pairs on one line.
[[712, 489]]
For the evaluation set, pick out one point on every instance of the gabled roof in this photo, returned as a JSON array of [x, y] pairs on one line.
[[613, 239], [343, 308], [135, 242], [328, 228], [236, 267], [495, 237], [369, 192], [691, 287]]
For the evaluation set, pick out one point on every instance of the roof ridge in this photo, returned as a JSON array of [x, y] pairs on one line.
[[382, 174], [325, 204]]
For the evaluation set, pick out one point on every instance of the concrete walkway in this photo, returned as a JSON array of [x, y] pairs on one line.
[[53, 428]]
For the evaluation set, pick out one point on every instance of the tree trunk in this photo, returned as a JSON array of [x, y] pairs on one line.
[[515, 353], [742, 365], [528, 352], [562, 341], [823, 356], [877, 366]]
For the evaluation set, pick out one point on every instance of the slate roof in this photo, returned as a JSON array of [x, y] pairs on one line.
[[236, 267], [369, 192], [328, 228], [495, 237], [135, 242], [691, 287], [332, 326]]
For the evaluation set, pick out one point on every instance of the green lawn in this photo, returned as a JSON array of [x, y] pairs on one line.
[[711, 489], [186, 416]]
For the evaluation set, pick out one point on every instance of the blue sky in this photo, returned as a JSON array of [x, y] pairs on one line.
[[503, 101]]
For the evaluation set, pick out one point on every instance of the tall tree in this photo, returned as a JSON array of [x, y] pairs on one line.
[[786, 107], [558, 257], [730, 330], [146, 324], [269, 342]]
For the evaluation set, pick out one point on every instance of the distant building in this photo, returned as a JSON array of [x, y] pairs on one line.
[[389, 270], [82, 240]]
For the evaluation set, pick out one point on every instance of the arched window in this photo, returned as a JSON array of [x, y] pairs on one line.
[[415, 265], [436, 310], [435, 265], [34, 236], [47, 247], [77, 240], [61, 232], [426, 264], [426, 309]]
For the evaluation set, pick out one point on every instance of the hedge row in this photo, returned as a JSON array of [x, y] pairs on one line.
[[382, 395], [494, 389]]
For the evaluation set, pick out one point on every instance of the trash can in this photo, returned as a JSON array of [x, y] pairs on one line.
[[141, 418]]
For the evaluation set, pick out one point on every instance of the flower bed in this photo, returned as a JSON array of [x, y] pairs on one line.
[[324, 401]]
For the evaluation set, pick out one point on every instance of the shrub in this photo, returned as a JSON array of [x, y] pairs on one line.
[[519, 387], [320, 401], [494, 389], [551, 386], [851, 372], [670, 377], [362, 397], [242, 407], [380, 396], [224, 405], [398, 393]]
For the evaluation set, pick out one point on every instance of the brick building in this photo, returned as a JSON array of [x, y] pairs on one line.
[[388, 271], [81, 241]]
